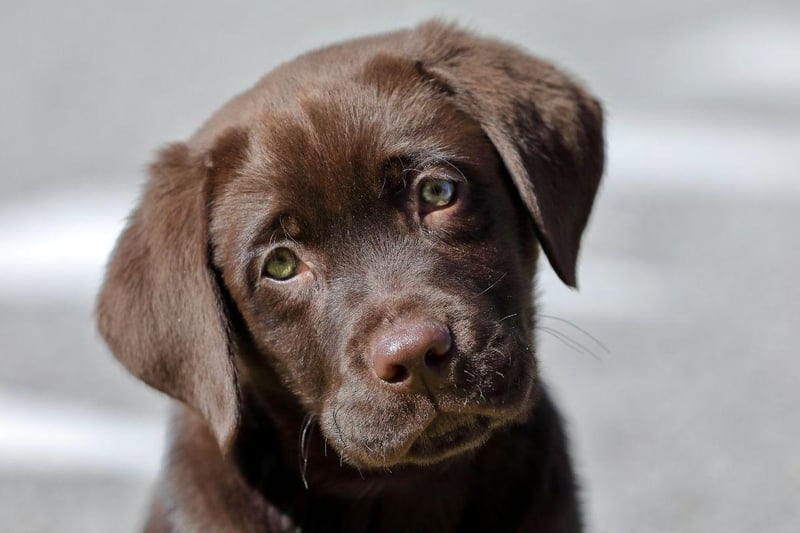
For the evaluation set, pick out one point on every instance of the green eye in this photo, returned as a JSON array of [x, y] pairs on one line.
[[281, 264], [437, 192]]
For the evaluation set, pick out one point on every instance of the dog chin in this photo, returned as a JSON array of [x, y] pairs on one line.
[[433, 435], [449, 436], [446, 436]]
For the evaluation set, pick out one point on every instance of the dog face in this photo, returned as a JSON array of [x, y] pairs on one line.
[[383, 272], [360, 232]]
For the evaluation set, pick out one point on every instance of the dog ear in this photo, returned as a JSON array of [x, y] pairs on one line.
[[547, 129], [160, 308]]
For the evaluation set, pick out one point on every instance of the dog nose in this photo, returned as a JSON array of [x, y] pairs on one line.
[[412, 356]]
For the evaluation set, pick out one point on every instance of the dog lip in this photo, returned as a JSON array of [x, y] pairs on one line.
[[446, 436], [452, 437]]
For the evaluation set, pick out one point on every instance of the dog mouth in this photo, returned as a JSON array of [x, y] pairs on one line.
[[446, 436], [428, 429], [449, 435]]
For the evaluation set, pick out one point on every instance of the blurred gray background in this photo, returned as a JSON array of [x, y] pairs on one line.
[[689, 423]]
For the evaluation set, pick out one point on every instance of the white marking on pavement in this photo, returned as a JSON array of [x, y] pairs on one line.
[[54, 436]]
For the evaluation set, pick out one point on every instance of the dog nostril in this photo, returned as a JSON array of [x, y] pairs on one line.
[[395, 374], [435, 358]]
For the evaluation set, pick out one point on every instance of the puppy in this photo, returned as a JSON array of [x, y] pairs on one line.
[[334, 278]]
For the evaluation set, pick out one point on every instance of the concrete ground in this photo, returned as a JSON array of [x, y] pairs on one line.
[[687, 420]]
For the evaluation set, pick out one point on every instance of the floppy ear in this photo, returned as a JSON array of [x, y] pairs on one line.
[[547, 129], [160, 308]]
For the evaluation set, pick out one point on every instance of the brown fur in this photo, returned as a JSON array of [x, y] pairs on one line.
[[283, 424]]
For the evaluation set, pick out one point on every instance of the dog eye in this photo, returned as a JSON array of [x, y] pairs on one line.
[[437, 192], [281, 264]]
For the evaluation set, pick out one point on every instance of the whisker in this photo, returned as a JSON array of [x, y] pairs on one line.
[[451, 165], [336, 423], [498, 351], [563, 338], [305, 444], [338, 433], [565, 321], [380, 193], [507, 317], [466, 180], [286, 233], [490, 287], [572, 343]]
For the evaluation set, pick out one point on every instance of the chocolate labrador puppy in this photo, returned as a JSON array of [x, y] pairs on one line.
[[334, 278]]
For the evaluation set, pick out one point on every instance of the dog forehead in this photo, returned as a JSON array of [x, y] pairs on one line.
[[312, 171], [328, 155], [337, 147], [339, 129]]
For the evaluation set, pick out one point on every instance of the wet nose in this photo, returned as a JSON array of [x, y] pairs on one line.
[[412, 355]]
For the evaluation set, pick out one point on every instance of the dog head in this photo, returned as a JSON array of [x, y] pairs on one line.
[[357, 235]]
